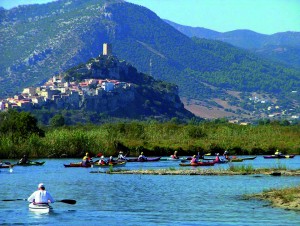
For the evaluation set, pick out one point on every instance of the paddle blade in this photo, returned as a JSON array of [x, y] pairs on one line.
[[68, 201]]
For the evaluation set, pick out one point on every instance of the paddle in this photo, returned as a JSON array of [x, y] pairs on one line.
[[67, 201], [8, 200]]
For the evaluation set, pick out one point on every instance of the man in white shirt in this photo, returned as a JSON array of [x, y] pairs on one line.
[[41, 196]]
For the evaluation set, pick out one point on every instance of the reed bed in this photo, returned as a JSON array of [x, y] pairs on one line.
[[155, 138]]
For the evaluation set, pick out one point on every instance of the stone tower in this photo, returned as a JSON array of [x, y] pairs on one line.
[[107, 49]]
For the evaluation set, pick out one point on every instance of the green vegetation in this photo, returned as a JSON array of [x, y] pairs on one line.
[[286, 198], [241, 168], [151, 137], [281, 47], [285, 194]]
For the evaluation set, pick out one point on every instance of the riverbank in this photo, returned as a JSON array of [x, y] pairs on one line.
[[286, 198]]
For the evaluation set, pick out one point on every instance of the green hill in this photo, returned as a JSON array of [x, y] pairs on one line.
[[40, 40], [282, 47]]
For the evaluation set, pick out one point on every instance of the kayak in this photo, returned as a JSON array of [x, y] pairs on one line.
[[6, 166], [278, 156], [236, 160], [115, 164], [40, 208], [198, 164], [249, 158], [171, 159], [144, 160], [79, 164], [220, 162], [31, 164]]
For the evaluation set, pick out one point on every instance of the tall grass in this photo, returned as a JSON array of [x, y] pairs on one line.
[[241, 168], [156, 139]]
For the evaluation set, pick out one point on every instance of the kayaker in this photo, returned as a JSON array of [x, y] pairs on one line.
[[86, 159], [120, 156], [218, 158], [102, 161], [24, 160], [111, 159], [226, 155], [194, 159], [41, 196], [278, 152], [175, 156], [142, 157]]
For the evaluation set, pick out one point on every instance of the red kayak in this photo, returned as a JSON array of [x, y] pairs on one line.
[[95, 164], [77, 165], [198, 164]]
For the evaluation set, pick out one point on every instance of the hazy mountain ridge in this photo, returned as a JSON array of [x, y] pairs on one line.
[[264, 45], [65, 33], [49, 38]]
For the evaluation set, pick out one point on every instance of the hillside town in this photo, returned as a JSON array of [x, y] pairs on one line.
[[66, 95], [105, 93]]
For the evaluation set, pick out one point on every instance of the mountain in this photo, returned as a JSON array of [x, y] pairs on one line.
[[38, 41], [106, 86], [283, 47]]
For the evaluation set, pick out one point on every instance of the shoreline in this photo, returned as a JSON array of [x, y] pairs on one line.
[[284, 198]]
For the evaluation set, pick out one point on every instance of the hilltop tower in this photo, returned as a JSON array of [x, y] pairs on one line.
[[107, 49], [150, 66]]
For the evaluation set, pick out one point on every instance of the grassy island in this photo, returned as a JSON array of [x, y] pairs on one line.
[[234, 170], [286, 198]]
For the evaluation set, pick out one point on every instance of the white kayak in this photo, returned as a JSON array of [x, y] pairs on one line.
[[173, 159], [40, 208]]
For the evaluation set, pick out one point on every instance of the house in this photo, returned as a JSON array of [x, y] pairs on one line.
[[108, 86], [30, 91], [2, 105]]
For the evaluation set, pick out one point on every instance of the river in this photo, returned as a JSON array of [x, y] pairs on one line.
[[105, 199]]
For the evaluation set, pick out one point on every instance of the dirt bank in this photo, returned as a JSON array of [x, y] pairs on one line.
[[286, 198]]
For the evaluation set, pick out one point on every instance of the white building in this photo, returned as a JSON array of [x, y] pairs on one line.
[[2, 105], [108, 86]]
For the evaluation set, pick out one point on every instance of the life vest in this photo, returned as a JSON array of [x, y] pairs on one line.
[[194, 160]]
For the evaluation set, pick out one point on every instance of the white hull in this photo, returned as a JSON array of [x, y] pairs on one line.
[[42, 208]]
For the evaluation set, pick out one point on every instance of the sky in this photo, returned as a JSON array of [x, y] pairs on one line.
[[262, 16]]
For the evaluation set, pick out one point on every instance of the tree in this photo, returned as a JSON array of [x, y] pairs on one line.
[[19, 125], [57, 121]]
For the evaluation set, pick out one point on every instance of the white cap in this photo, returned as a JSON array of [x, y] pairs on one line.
[[102, 157], [41, 185]]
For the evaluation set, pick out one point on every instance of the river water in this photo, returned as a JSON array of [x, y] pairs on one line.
[[104, 199]]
